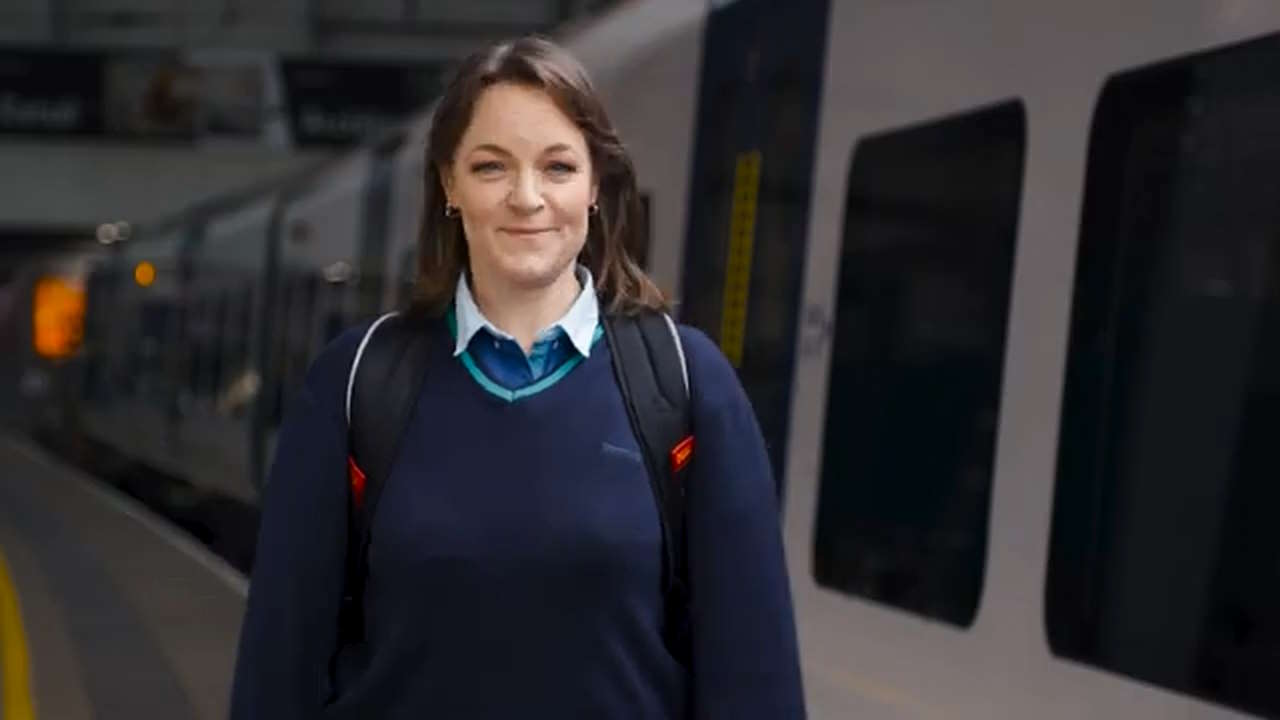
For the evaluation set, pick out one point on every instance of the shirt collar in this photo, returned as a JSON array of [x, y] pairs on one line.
[[578, 323]]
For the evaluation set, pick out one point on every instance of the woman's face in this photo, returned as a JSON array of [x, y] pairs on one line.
[[523, 182]]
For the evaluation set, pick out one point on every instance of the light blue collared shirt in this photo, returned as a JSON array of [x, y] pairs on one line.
[[500, 356]]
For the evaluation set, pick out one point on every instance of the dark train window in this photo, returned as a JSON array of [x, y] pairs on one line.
[[196, 342], [917, 359], [217, 344], [241, 325], [293, 352], [1165, 553]]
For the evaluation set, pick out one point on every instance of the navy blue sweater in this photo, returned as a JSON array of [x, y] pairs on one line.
[[514, 569]]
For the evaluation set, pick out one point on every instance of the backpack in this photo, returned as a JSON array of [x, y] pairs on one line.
[[649, 365]]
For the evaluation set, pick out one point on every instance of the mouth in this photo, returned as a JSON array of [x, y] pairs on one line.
[[525, 232]]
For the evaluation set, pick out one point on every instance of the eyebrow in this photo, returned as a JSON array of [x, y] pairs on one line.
[[499, 150]]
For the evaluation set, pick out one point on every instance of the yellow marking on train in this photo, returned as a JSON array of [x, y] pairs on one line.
[[15, 670], [737, 271]]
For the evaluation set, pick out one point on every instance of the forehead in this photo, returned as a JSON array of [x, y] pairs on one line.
[[519, 118]]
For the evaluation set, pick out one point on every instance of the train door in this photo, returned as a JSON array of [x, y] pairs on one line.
[[749, 196]]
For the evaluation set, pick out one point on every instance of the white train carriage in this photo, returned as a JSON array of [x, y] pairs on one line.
[[1000, 279]]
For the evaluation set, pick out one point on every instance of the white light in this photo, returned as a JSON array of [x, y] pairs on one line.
[[108, 233], [338, 272]]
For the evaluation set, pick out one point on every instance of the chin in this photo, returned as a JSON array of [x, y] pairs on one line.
[[534, 273]]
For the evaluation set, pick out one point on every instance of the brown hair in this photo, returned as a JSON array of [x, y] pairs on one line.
[[538, 63]]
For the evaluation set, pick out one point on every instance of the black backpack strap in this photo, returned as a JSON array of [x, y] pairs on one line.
[[382, 390], [649, 363]]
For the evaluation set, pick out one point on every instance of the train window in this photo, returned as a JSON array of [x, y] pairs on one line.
[[217, 344], [191, 347], [242, 326], [293, 352], [917, 359], [205, 347], [1164, 561]]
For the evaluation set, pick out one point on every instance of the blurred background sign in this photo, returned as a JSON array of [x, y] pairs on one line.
[[151, 96], [173, 96], [165, 95], [50, 93], [339, 103]]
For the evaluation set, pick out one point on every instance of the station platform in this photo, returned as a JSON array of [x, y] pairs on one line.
[[106, 611]]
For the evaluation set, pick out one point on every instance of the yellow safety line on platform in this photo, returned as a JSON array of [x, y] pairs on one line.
[[15, 667]]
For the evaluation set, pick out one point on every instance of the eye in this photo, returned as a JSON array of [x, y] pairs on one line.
[[561, 168], [486, 167]]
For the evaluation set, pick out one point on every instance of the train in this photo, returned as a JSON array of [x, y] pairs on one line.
[[1000, 279]]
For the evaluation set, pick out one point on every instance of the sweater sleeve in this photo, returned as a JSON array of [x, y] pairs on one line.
[[290, 627], [745, 657]]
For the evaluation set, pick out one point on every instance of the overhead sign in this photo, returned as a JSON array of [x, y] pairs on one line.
[[129, 94], [341, 103], [184, 97], [48, 93], [165, 95], [151, 96]]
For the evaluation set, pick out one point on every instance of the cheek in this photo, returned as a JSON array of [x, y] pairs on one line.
[[575, 208], [577, 225], [479, 216]]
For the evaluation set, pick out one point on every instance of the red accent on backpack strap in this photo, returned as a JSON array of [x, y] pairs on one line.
[[356, 476], [681, 454]]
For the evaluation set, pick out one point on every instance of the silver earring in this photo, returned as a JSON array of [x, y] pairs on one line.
[[594, 209], [451, 211]]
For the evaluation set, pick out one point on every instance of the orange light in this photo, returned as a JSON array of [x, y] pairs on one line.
[[144, 274], [57, 318]]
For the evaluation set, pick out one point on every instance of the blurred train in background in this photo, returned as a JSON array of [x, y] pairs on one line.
[[1002, 280]]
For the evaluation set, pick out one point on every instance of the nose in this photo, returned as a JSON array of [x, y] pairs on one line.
[[525, 195]]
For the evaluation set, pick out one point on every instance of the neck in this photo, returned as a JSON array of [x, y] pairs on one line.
[[523, 312]]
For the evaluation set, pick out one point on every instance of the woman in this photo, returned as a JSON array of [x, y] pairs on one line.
[[514, 568]]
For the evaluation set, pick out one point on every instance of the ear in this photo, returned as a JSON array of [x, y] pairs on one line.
[[595, 191]]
